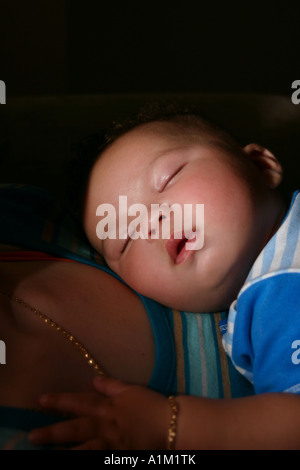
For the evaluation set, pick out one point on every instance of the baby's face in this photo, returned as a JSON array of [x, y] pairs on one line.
[[149, 166]]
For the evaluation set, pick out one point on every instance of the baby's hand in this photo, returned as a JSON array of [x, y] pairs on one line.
[[81, 430], [121, 417]]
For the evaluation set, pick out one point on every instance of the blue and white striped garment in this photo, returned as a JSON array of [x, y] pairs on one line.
[[263, 328]]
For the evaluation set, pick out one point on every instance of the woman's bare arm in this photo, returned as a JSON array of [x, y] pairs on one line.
[[108, 318]]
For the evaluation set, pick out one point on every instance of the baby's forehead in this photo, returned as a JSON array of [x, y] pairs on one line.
[[137, 150], [142, 144], [140, 147], [151, 136]]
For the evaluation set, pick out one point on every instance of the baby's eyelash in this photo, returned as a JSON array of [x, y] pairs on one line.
[[172, 176]]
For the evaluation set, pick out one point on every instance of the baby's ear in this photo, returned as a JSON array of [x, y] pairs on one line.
[[266, 162]]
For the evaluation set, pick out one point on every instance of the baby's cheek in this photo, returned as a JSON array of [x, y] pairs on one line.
[[137, 269]]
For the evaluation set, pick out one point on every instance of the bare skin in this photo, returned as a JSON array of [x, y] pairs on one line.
[[98, 309], [126, 416]]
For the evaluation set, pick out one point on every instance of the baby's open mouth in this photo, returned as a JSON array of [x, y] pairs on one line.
[[181, 245], [176, 248]]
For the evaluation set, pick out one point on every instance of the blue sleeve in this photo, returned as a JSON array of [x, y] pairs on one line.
[[267, 333]]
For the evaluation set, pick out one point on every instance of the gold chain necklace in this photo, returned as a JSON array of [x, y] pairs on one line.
[[79, 346]]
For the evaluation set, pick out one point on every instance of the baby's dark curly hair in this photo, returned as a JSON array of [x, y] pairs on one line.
[[89, 149]]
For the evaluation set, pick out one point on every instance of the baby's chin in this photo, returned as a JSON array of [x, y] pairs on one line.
[[212, 299], [192, 307], [185, 305]]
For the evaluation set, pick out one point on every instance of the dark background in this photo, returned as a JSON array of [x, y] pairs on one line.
[[64, 46]]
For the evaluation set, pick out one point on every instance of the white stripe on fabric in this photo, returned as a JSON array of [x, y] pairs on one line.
[[228, 336], [277, 254], [227, 347], [281, 238], [293, 389], [246, 373], [295, 262], [256, 269]]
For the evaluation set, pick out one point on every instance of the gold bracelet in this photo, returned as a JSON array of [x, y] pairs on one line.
[[173, 423]]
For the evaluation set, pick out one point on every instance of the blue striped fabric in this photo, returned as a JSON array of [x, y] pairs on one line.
[[202, 366]]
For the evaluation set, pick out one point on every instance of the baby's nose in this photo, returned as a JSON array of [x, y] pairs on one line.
[[162, 227], [155, 226]]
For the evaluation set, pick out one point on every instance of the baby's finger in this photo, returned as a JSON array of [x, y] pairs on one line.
[[108, 386], [73, 430], [72, 403]]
